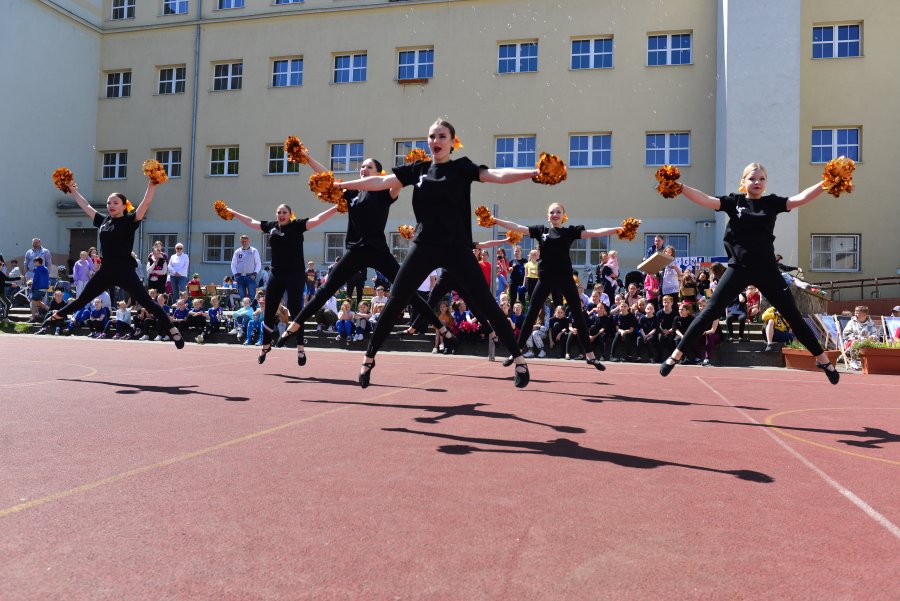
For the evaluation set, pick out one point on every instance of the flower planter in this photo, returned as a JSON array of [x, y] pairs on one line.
[[880, 360], [800, 358]]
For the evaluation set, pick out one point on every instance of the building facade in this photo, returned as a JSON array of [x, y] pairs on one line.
[[212, 88]]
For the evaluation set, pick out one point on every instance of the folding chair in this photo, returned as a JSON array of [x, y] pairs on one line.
[[833, 335], [890, 325]]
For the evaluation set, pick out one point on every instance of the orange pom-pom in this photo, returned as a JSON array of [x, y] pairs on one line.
[[129, 208], [62, 177], [417, 154], [838, 176], [407, 231], [222, 210], [552, 170], [513, 237], [322, 185], [668, 185], [457, 144], [155, 171], [295, 149], [629, 228], [485, 219]]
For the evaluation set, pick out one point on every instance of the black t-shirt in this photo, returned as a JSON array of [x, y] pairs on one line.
[[681, 324], [554, 243], [625, 321], [442, 199], [368, 216], [117, 238], [517, 271], [287, 245], [648, 324], [749, 235], [666, 320]]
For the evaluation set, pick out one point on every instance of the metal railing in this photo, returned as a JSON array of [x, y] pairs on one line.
[[877, 287]]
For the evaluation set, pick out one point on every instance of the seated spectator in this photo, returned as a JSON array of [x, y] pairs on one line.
[[517, 317], [195, 281], [465, 321], [631, 294], [648, 335], [776, 329], [703, 289], [688, 291], [123, 322], [255, 324], [98, 320], [379, 298], [232, 298], [345, 327], [179, 316], [681, 324], [753, 300], [535, 342], [326, 317], [362, 321], [707, 343], [860, 328], [601, 330], [242, 318], [446, 318], [197, 317], [666, 326], [626, 325], [79, 319], [559, 326], [737, 311], [215, 317], [376, 314], [56, 303]]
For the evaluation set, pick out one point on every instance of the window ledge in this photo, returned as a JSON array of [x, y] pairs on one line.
[[415, 80]]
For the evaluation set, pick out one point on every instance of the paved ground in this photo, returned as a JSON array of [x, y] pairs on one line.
[[135, 471]]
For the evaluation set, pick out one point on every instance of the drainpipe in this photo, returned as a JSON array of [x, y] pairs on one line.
[[190, 200]]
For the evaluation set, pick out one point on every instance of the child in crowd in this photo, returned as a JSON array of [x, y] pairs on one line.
[[362, 321], [123, 322], [242, 318], [601, 328], [651, 289], [215, 317], [666, 326], [517, 317], [196, 318], [707, 343], [40, 283], [648, 336], [538, 335], [626, 332], [559, 326], [255, 323], [753, 300], [446, 318], [98, 319], [860, 328], [776, 329], [78, 319], [56, 303], [376, 314], [531, 270], [737, 311], [688, 291], [232, 298], [152, 323], [195, 286], [345, 322], [179, 316], [681, 324]]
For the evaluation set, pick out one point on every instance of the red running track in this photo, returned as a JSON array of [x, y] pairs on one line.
[[135, 471]]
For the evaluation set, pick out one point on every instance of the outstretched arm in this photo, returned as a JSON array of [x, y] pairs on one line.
[[145, 202], [250, 222], [512, 225], [321, 218], [491, 243], [85, 205], [806, 196], [316, 165], [607, 231], [374, 183], [701, 198], [507, 175]]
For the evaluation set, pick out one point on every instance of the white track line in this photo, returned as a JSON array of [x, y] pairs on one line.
[[846, 492]]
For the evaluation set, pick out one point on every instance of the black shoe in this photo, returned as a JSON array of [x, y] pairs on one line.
[[364, 375], [262, 354], [450, 343], [508, 361], [176, 337], [666, 368], [596, 363], [833, 375], [522, 375], [301, 357], [285, 336]]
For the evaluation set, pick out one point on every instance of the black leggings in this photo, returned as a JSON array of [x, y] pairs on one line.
[[545, 286], [124, 277], [295, 286], [459, 260], [771, 285], [353, 260]]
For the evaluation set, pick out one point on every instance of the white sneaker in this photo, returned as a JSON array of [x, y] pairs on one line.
[[166, 338], [144, 337], [319, 328], [542, 354], [199, 339], [158, 338], [358, 337], [239, 334], [434, 351], [528, 354], [233, 331], [854, 364]]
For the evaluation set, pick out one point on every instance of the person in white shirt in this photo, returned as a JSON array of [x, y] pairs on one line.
[[245, 264], [33, 253], [423, 290], [179, 263]]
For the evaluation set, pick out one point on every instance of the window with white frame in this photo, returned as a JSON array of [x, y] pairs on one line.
[[403, 148], [346, 157], [278, 161], [592, 53], [416, 64], [334, 246], [828, 144], [224, 160], [834, 252], [287, 72], [171, 80], [399, 246], [668, 49], [226, 4], [836, 41], [518, 57], [122, 9], [228, 76], [171, 161], [218, 248], [168, 242], [115, 165], [668, 148], [175, 7], [350, 68], [516, 152], [118, 84], [590, 150], [586, 251], [681, 242]]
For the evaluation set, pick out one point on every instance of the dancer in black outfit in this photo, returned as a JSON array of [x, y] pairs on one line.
[[288, 268], [749, 243], [555, 271], [366, 247], [118, 267], [443, 207]]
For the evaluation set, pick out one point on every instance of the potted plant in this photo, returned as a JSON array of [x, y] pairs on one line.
[[879, 357], [797, 357]]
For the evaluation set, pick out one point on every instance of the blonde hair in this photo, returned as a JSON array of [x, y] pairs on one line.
[[747, 170]]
